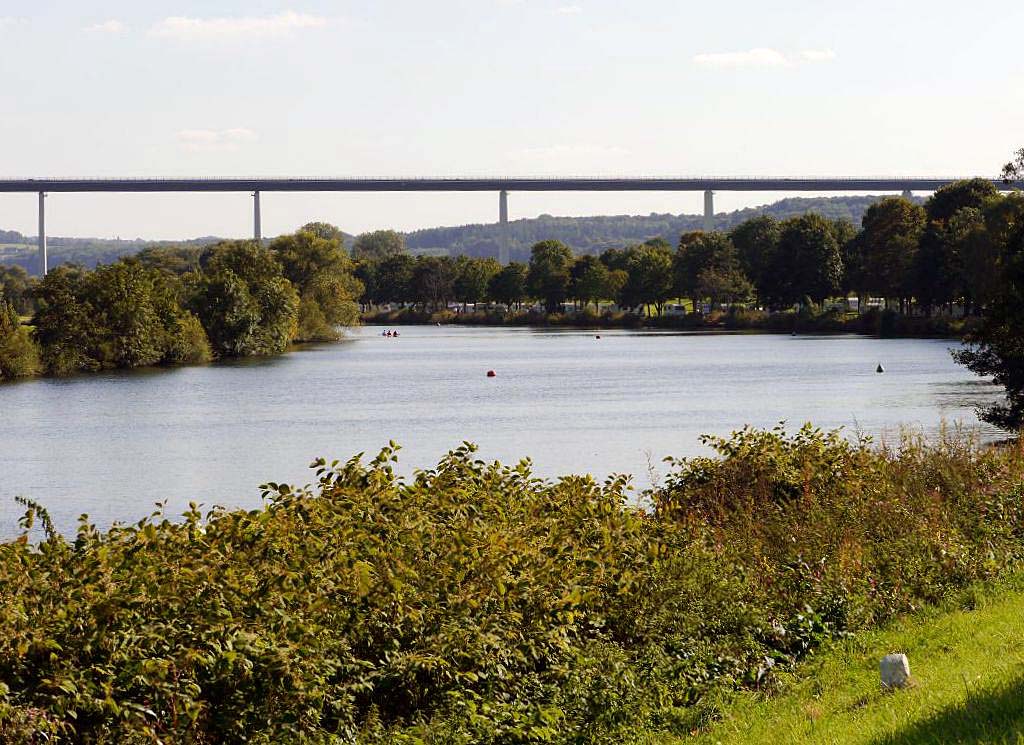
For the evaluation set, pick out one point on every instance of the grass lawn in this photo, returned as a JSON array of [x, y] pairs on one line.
[[968, 670]]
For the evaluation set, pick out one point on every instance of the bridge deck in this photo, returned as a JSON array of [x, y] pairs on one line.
[[480, 184]]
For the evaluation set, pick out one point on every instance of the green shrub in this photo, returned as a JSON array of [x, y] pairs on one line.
[[19, 355], [476, 603], [187, 343]]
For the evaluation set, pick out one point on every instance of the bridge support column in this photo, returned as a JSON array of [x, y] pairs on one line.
[[42, 234], [908, 194], [709, 211], [504, 249], [257, 228]]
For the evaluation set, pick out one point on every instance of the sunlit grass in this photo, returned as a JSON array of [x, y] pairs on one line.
[[968, 671]]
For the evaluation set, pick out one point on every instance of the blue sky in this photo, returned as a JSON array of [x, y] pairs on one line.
[[489, 87]]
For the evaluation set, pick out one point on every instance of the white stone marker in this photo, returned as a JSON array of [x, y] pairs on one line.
[[895, 669]]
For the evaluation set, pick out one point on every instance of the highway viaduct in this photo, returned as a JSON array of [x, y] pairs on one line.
[[502, 186]]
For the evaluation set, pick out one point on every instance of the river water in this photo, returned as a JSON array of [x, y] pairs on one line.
[[112, 444]]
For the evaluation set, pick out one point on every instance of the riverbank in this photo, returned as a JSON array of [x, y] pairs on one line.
[[886, 324], [474, 603], [968, 677]]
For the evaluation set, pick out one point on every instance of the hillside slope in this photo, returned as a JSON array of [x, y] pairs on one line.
[[968, 672], [594, 234], [583, 234]]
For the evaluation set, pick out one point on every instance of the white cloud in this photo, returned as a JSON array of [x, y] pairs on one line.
[[762, 57], [817, 55], [199, 29], [569, 10], [107, 27], [215, 140]]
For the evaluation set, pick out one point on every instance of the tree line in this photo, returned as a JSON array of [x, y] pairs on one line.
[[179, 305], [928, 258], [963, 247]]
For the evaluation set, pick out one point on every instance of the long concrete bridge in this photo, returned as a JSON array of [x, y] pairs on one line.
[[502, 186]]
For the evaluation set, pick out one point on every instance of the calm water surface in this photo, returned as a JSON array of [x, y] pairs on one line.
[[113, 444]]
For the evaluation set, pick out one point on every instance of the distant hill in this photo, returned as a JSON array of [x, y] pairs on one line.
[[595, 234], [19, 249], [583, 234]]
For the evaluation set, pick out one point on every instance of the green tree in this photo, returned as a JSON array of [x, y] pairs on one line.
[[977, 243], [807, 263], [614, 258], [472, 278], [244, 301], [711, 260], [649, 276], [951, 198], [589, 281], [16, 288], [379, 244], [997, 348], [65, 324], [19, 355], [177, 260], [1014, 170], [322, 274], [366, 272], [394, 279], [937, 276], [324, 230], [508, 286], [846, 235], [755, 240], [888, 243], [724, 285], [132, 333], [549, 273], [433, 281]]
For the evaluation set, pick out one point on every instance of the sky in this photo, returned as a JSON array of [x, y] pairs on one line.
[[488, 88]]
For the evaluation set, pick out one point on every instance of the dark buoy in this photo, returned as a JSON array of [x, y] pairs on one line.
[[492, 374], [879, 369], [598, 336]]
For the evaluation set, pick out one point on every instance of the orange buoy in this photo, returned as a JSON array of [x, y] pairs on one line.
[[492, 374]]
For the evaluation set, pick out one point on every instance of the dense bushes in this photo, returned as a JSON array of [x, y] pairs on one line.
[[321, 273], [476, 603], [19, 355], [169, 306], [246, 305], [120, 315]]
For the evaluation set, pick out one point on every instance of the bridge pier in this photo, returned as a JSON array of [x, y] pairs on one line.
[[42, 234], [908, 194], [257, 228], [709, 211], [504, 249]]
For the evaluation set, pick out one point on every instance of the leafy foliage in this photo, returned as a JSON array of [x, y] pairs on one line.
[[549, 273], [243, 300], [120, 315], [997, 347], [16, 289], [322, 274], [476, 603], [379, 245], [19, 355]]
